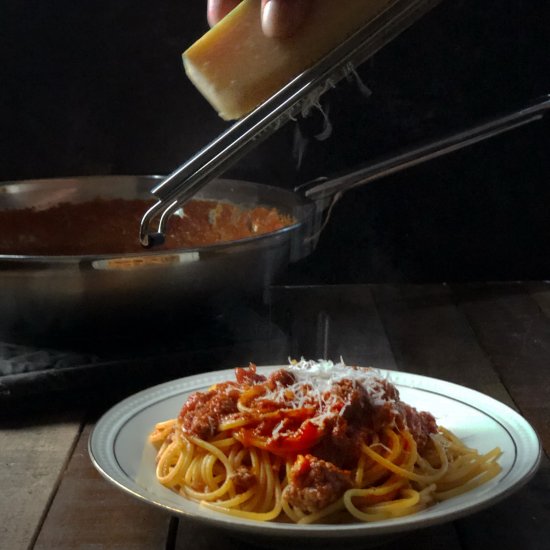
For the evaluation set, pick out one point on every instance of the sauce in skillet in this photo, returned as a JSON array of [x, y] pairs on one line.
[[111, 226]]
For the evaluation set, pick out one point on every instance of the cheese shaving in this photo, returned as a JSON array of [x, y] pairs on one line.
[[315, 385]]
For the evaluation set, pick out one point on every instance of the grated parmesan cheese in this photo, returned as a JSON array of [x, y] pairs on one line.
[[314, 387]]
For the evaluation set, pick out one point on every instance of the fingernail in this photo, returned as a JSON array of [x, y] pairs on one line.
[[212, 12], [281, 18], [218, 9]]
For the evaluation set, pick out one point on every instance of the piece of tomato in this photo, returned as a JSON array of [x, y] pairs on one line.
[[305, 437]]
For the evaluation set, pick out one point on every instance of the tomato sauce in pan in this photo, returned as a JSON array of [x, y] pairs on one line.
[[111, 226]]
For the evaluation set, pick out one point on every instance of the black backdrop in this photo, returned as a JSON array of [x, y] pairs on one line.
[[97, 87]]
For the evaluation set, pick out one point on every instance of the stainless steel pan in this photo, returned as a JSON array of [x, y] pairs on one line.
[[42, 295], [58, 295]]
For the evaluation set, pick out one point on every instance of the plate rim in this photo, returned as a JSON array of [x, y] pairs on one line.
[[115, 417]]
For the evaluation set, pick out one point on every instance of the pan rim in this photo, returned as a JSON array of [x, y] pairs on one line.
[[300, 203]]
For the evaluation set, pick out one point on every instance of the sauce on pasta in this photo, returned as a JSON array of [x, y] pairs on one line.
[[312, 440]]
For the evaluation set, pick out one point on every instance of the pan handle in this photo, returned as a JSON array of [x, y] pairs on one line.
[[324, 188]]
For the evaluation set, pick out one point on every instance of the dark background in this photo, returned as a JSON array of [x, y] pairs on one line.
[[98, 87]]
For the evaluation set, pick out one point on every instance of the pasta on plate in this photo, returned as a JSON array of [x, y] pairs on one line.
[[313, 442]]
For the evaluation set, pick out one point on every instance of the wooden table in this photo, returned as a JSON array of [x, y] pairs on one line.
[[494, 338]]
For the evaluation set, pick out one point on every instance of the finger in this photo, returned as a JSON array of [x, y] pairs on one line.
[[282, 18], [218, 9]]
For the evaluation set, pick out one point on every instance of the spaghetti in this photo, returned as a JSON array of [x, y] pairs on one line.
[[311, 442]]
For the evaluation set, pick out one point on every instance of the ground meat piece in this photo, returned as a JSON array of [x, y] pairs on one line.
[[389, 391], [340, 445], [280, 377], [203, 411], [248, 376], [361, 414], [361, 411], [243, 479], [315, 483], [386, 414], [420, 424], [403, 416], [356, 400]]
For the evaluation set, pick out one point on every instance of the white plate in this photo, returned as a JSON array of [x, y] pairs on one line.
[[119, 450]]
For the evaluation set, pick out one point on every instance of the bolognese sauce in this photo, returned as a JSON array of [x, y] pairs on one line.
[[320, 429], [110, 226], [310, 441]]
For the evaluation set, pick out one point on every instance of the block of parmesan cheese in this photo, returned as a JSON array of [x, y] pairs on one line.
[[236, 67]]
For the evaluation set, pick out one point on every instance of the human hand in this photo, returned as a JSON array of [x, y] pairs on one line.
[[280, 18]]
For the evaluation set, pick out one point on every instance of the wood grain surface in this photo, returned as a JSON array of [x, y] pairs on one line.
[[33, 455]]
